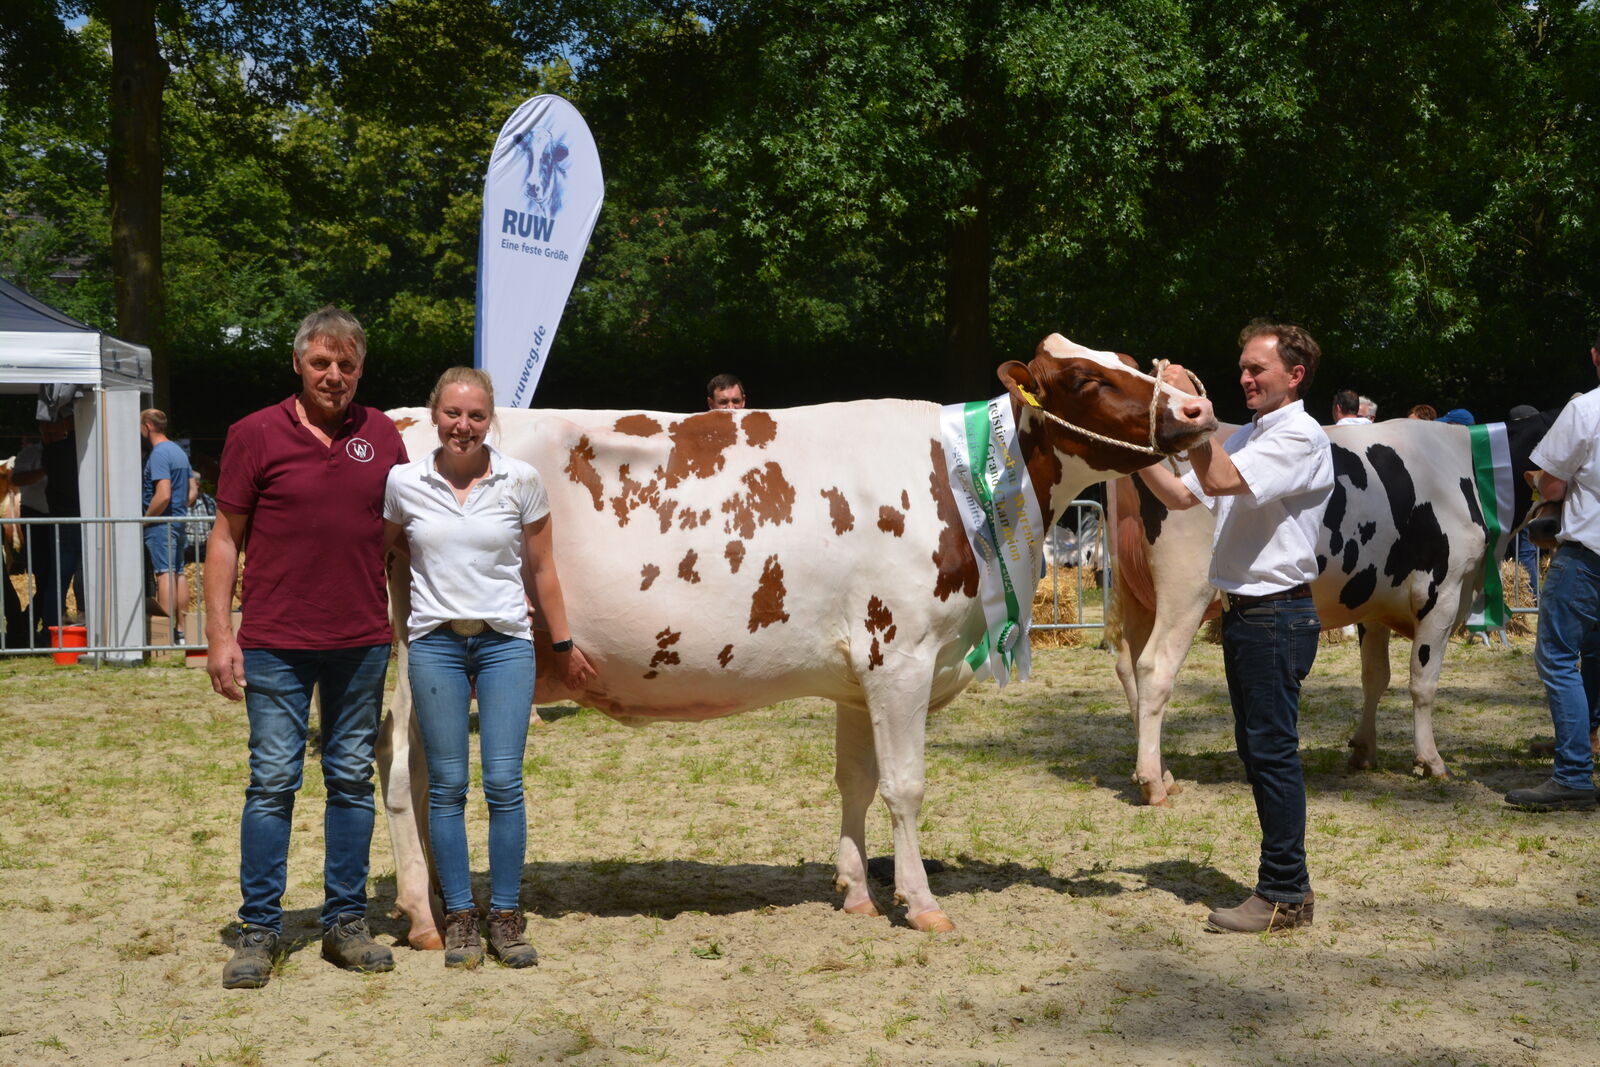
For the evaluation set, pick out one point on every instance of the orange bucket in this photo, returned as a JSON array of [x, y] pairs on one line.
[[68, 637]]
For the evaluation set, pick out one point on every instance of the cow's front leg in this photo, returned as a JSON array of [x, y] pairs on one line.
[[856, 772], [403, 778], [1374, 683], [899, 710], [1170, 635]]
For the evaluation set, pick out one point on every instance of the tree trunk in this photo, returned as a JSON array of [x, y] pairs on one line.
[[969, 366], [133, 172]]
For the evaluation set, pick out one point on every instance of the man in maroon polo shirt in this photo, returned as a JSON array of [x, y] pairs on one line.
[[301, 494]]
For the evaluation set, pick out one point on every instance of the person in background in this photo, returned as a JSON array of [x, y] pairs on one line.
[[62, 544], [304, 479], [1527, 553], [27, 475], [1268, 486], [1367, 408], [167, 481], [1422, 411], [1347, 409], [724, 391], [475, 525], [1457, 417], [1569, 609]]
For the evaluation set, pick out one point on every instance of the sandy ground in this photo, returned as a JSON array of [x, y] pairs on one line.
[[680, 883]]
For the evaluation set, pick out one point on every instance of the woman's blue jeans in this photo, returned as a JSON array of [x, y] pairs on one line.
[[277, 698], [1569, 616], [444, 668], [1267, 651]]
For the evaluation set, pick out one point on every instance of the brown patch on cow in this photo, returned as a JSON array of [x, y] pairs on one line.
[[648, 574], [766, 606], [637, 426], [404, 424], [769, 499], [686, 569], [636, 494], [735, 554], [880, 621], [698, 445], [957, 567], [580, 468], [664, 656], [690, 518], [759, 428], [839, 511], [725, 656], [891, 520], [664, 510], [905, 500], [1044, 464]]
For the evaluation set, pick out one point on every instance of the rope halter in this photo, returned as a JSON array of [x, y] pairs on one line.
[[1159, 367]]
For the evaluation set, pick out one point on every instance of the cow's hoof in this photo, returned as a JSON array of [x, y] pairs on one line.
[[1423, 769], [424, 940], [1361, 758], [932, 922], [865, 907]]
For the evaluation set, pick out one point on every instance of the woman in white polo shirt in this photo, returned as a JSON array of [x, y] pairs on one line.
[[476, 526]]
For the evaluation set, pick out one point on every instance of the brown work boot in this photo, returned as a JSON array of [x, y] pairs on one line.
[[1259, 915], [463, 946], [506, 942]]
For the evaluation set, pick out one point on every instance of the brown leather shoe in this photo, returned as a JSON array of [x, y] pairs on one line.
[[506, 941], [463, 947], [1259, 915]]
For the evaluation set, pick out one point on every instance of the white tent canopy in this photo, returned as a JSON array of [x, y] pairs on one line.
[[41, 346]]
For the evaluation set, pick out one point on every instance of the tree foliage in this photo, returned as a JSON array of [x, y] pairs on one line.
[[841, 198]]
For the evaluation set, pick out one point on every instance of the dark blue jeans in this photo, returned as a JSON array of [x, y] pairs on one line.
[[1267, 650], [444, 668], [278, 686], [1569, 618]]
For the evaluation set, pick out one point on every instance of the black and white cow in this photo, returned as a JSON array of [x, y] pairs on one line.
[[1402, 551]]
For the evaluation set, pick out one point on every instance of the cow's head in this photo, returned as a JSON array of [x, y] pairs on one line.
[[1114, 414]]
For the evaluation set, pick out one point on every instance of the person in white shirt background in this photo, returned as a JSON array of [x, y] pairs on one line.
[[1268, 486], [475, 524]]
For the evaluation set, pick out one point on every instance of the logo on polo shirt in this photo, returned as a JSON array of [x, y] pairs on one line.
[[359, 449]]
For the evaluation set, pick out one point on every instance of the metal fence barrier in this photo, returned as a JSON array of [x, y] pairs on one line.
[[39, 583], [1078, 541]]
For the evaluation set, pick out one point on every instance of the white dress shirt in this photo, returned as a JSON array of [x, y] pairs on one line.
[[1567, 452], [466, 559], [1266, 538]]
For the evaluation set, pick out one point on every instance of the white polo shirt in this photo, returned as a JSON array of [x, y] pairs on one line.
[[1266, 538], [466, 559], [1567, 452]]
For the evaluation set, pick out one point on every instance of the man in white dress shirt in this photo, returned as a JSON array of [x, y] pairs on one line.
[[1268, 487], [1569, 603]]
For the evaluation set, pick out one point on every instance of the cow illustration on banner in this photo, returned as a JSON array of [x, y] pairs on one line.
[[541, 199]]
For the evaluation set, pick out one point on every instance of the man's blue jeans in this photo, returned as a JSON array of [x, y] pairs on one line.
[[444, 668], [278, 686], [1267, 650], [1569, 615]]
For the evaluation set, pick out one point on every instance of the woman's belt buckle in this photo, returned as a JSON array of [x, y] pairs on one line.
[[468, 627]]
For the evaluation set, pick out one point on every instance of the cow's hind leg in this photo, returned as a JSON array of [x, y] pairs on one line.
[[1427, 661], [1374, 683], [856, 772], [899, 713]]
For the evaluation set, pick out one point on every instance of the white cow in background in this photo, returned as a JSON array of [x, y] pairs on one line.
[[728, 560]]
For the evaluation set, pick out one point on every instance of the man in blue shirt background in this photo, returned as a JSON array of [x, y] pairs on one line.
[[166, 492]]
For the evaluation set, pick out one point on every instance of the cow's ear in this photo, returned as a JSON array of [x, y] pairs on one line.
[[1019, 380]]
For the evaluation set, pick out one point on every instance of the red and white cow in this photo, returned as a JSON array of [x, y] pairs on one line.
[[1402, 550], [727, 560]]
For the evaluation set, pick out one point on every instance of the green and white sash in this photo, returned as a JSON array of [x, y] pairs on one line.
[[1491, 472], [1000, 513]]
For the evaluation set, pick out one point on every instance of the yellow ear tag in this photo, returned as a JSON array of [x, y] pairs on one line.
[[1028, 397]]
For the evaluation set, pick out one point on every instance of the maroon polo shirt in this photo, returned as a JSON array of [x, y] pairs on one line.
[[313, 549]]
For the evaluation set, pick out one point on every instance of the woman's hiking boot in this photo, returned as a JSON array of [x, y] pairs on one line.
[[463, 946], [506, 942]]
